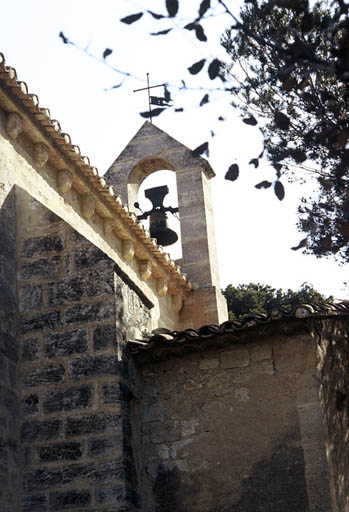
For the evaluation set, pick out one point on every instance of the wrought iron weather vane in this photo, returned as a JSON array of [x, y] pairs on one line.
[[154, 100]]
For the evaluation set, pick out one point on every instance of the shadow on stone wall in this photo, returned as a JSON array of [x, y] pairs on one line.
[[276, 484], [167, 490], [9, 399]]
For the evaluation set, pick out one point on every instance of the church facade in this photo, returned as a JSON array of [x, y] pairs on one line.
[[123, 386]]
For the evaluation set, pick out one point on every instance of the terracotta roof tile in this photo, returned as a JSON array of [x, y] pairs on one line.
[[62, 142], [164, 342]]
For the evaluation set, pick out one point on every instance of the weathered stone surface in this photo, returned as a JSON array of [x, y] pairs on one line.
[[111, 495], [66, 343], [8, 346], [72, 450], [35, 503], [161, 433], [65, 291], [261, 353], [209, 364], [235, 359], [78, 397], [93, 312], [70, 499], [42, 479], [30, 405], [40, 321], [30, 349], [44, 374], [40, 430], [43, 267], [41, 245], [104, 337], [30, 297], [91, 258], [105, 446], [91, 424], [86, 367], [100, 282]]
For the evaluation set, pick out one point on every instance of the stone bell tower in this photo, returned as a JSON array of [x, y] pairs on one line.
[[152, 150]]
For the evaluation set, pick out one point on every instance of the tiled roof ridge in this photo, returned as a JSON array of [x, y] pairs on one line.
[[166, 338], [62, 143]]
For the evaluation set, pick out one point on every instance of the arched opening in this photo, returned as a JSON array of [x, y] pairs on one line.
[[155, 179]]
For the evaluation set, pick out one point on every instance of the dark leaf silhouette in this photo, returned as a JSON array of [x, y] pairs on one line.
[[302, 243], [204, 7], [204, 100], [279, 190], [153, 113], [167, 94], [214, 68], [221, 118], [156, 16], [232, 173], [64, 39], [200, 34], [131, 18], [263, 184], [199, 31], [107, 52], [196, 67], [161, 32], [180, 109], [252, 121], [281, 120], [172, 7], [298, 155], [203, 148], [254, 162]]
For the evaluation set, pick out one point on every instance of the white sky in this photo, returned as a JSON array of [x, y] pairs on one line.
[[254, 230]]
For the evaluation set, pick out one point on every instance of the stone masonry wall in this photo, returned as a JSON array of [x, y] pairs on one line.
[[234, 430], [333, 364], [75, 377], [9, 348]]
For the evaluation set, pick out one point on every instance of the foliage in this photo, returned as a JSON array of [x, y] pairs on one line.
[[290, 69], [288, 74], [249, 299]]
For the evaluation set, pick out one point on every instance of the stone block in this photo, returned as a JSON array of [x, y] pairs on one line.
[[261, 353], [208, 364], [47, 321], [78, 397], [65, 291], [29, 297], [66, 343], [93, 312], [91, 424], [86, 367], [104, 337], [42, 245], [30, 405], [73, 499], [235, 359], [100, 282], [72, 450], [40, 430], [91, 258], [35, 503], [111, 495], [30, 349], [42, 479], [40, 268], [43, 374], [104, 447]]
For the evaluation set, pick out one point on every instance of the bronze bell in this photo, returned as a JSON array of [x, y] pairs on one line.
[[160, 230], [158, 218]]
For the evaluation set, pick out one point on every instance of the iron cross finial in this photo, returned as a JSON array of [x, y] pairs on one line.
[[154, 100]]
